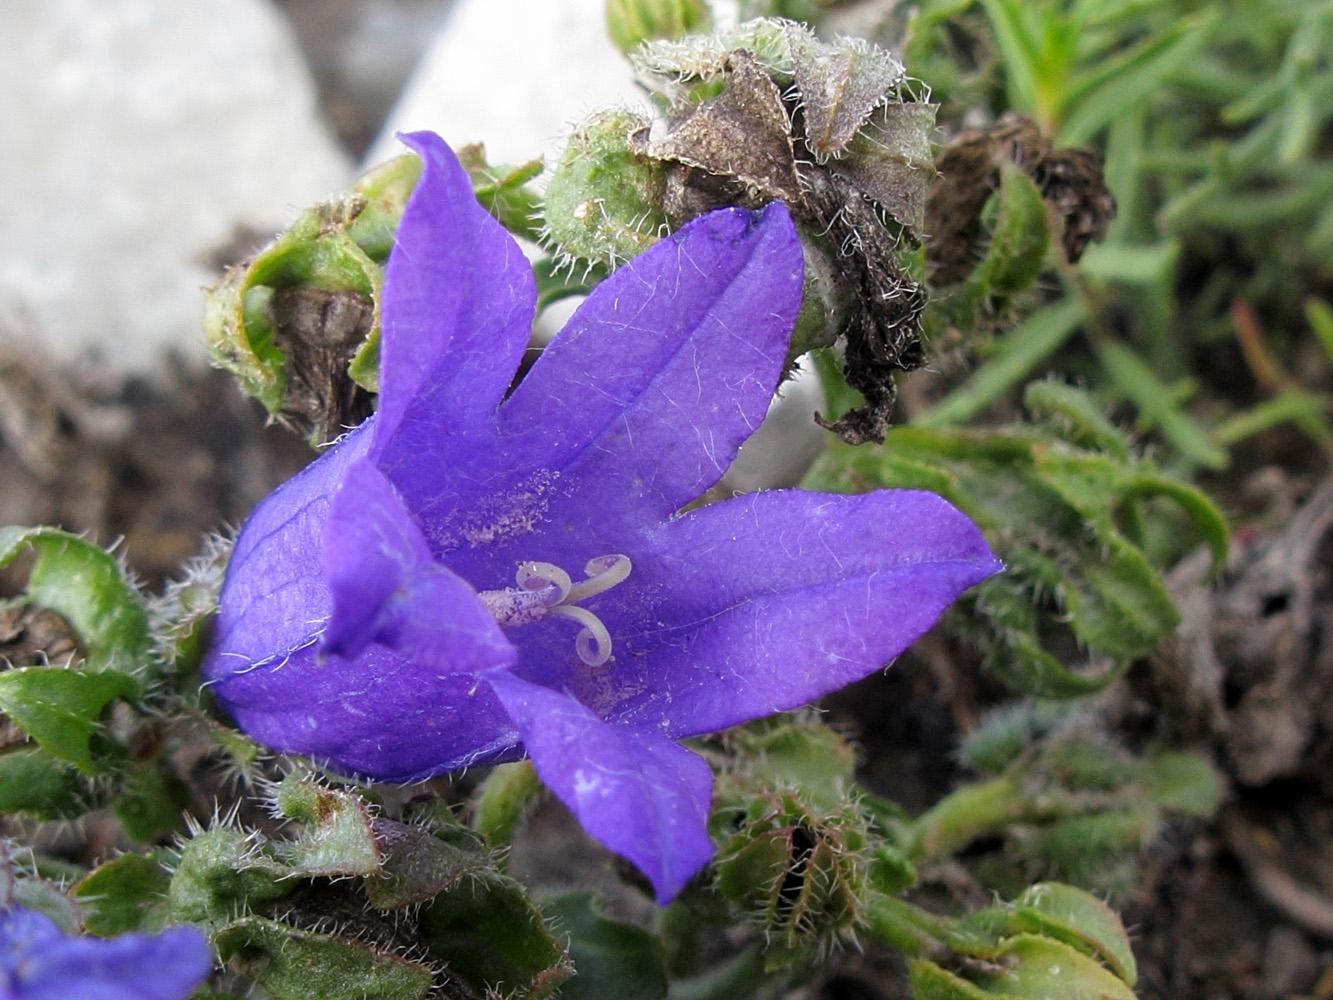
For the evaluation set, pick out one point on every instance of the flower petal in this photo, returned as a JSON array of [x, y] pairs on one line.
[[638, 406], [275, 599], [643, 796], [457, 314], [379, 714], [387, 588], [765, 602], [51, 966]]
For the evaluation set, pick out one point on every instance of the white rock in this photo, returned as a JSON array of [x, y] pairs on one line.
[[513, 74], [138, 134]]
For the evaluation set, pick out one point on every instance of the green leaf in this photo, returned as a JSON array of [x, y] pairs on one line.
[[1097, 97], [612, 961], [60, 708], [1020, 351], [492, 936], [35, 783], [1035, 54], [293, 964], [128, 893], [1083, 415], [1040, 968], [151, 802], [930, 982], [87, 587], [1081, 920], [1319, 315], [1202, 512], [1121, 607], [1182, 782], [1157, 407], [1093, 848], [1138, 265]]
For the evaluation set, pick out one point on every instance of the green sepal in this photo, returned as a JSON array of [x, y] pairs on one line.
[[891, 871], [337, 834], [508, 792], [612, 961], [792, 750], [180, 615], [1020, 235], [385, 189], [60, 708], [417, 865], [222, 872], [294, 964], [317, 252], [87, 587], [128, 893], [503, 191], [338, 248], [796, 870], [43, 896]]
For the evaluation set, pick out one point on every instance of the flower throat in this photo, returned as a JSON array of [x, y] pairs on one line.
[[546, 589]]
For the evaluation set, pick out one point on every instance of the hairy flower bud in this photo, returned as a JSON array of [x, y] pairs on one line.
[[630, 22], [798, 872], [604, 203]]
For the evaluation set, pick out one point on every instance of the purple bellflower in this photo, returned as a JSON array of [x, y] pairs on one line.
[[475, 574], [38, 961]]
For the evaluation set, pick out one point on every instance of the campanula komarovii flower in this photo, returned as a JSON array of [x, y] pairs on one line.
[[38, 961], [475, 574]]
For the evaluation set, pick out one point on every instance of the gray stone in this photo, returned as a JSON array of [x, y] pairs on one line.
[[139, 135]]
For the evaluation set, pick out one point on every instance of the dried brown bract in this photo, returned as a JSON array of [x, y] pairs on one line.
[[825, 128], [319, 332]]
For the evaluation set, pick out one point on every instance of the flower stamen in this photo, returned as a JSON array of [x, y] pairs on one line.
[[546, 589], [540, 575], [593, 643], [603, 573]]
